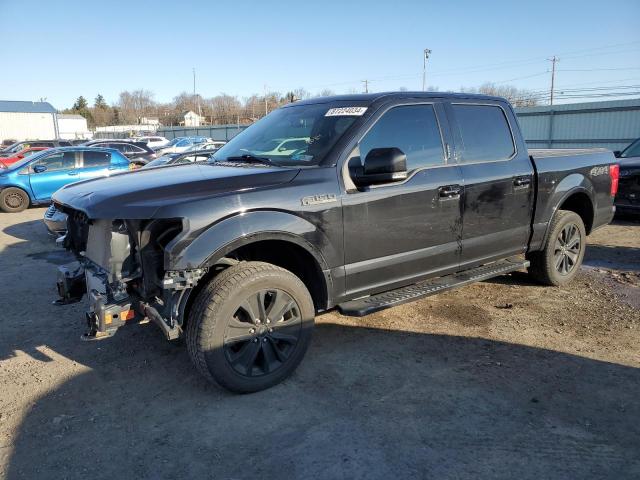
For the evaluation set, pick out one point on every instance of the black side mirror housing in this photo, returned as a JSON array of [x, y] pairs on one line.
[[383, 165], [616, 153], [40, 168]]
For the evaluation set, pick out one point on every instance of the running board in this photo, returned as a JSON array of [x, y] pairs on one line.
[[374, 303]]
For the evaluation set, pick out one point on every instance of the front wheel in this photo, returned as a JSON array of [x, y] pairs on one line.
[[558, 263], [13, 200], [250, 326]]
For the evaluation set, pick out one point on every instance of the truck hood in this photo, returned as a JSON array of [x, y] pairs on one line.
[[141, 193]]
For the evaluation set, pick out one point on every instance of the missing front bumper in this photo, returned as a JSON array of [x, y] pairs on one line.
[[104, 319]]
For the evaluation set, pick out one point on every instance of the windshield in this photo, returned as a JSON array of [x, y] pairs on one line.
[[632, 150], [30, 158], [157, 162], [14, 147], [174, 141], [297, 135]]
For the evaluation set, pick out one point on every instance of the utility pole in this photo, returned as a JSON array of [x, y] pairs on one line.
[[265, 100], [366, 85], [553, 61], [427, 52], [196, 104]]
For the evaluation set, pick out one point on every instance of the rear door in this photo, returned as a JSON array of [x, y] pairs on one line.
[[52, 172], [498, 181], [94, 163], [397, 233]]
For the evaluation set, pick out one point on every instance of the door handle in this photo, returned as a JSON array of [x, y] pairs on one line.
[[522, 182], [448, 192], [72, 173]]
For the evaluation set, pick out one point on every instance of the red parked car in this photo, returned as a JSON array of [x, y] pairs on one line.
[[6, 161]]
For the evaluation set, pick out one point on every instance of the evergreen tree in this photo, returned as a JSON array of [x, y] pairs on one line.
[[81, 104], [99, 102]]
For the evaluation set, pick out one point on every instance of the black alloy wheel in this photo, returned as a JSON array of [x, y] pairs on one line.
[[263, 333]]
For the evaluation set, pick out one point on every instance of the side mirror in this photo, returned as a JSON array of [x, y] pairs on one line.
[[40, 168], [616, 153], [383, 165]]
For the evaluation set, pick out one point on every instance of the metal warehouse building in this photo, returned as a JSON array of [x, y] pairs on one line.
[[613, 124], [27, 120]]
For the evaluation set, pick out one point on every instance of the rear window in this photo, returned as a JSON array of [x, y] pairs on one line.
[[485, 133], [96, 159]]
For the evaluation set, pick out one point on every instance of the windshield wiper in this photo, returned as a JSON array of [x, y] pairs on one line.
[[249, 158]]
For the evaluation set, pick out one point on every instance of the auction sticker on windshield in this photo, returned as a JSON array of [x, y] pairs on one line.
[[346, 111]]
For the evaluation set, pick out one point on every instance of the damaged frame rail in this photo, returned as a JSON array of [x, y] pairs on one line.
[[108, 271]]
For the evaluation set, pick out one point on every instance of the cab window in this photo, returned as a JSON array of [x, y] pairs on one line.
[[411, 128], [485, 133]]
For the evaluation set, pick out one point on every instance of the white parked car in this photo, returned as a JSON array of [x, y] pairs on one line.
[[215, 145], [153, 142], [283, 146], [180, 144]]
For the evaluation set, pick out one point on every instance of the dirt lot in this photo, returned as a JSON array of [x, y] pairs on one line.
[[504, 379]]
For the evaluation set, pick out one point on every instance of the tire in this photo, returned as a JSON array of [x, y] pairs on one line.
[[228, 342], [13, 200], [560, 259]]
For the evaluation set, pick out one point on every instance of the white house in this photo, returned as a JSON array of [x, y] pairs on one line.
[[192, 119], [27, 120], [72, 126]]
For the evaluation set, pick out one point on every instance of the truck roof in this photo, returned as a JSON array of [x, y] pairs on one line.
[[373, 97]]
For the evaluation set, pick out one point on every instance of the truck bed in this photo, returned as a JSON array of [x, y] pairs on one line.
[[563, 169]]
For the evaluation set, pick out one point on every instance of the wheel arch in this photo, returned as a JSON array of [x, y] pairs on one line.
[[261, 236], [579, 200]]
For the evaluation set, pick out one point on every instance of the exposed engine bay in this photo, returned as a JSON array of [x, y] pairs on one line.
[[121, 267]]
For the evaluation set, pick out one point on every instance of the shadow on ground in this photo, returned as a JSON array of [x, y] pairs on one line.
[[365, 403], [613, 256]]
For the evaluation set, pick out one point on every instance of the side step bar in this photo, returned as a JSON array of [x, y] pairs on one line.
[[374, 303]]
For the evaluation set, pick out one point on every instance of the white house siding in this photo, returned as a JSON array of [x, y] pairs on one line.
[[27, 126]]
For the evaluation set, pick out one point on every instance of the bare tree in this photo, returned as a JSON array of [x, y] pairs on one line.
[[135, 105], [517, 97], [224, 109], [327, 92]]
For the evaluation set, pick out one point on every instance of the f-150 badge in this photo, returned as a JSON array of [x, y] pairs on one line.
[[319, 199]]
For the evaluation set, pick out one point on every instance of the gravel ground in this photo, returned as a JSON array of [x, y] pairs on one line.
[[503, 379]]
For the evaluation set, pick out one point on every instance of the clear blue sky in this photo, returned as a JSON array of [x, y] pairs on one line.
[[62, 49]]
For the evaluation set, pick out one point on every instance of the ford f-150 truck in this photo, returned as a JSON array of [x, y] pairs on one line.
[[387, 198]]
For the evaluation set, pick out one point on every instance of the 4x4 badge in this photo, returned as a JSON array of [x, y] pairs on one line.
[[318, 199]]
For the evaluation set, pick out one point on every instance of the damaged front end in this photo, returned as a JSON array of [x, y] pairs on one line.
[[121, 267]]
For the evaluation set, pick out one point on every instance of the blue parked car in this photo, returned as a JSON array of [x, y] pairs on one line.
[[32, 180]]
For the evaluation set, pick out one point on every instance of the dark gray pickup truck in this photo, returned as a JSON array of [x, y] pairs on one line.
[[379, 200]]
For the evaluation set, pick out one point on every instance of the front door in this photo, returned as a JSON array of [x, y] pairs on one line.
[[498, 182], [397, 233], [51, 173]]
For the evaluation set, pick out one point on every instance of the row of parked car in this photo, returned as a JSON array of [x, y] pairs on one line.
[[31, 171]]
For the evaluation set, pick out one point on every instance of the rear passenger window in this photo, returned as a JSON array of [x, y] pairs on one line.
[[485, 132], [96, 159], [413, 129]]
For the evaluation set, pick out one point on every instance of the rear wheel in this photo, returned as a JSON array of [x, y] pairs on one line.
[[558, 263], [250, 326], [13, 200]]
